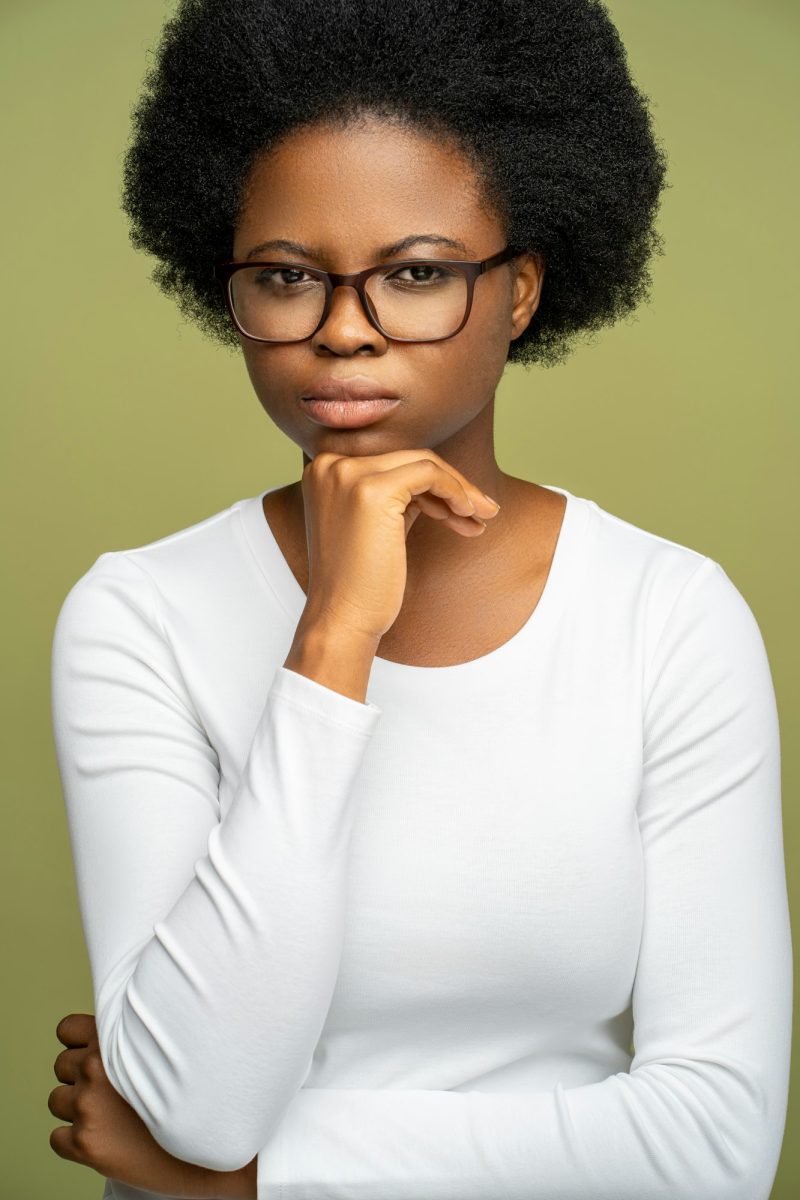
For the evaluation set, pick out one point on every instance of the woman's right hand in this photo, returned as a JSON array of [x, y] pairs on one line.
[[358, 511]]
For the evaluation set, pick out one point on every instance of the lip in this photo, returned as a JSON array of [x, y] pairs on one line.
[[348, 403], [354, 387], [348, 414]]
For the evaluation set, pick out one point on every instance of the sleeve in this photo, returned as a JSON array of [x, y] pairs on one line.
[[214, 944], [701, 1111]]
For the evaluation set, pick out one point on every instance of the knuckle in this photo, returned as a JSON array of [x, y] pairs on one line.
[[82, 1141], [343, 465], [365, 488], [84, 1068], [319, 462], [92, 1066]]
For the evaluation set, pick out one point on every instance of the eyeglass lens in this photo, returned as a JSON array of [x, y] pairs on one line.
[[284, 303]]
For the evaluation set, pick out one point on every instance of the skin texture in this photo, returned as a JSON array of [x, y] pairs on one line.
[[348, 191]]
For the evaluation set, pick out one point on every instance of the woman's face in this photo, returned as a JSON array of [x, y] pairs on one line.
[[346, 193]]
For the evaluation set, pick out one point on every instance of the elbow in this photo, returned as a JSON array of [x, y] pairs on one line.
[[737, 1117], [214, 1150], [716, 1129], [754, 1143], [189, 1118], [754, 1177], [742, 1174], [752, 1181], [197, 1134]]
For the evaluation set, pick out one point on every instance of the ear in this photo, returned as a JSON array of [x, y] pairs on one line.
[[529, 269]]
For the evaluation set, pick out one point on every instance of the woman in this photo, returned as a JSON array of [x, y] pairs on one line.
[[414, 865]]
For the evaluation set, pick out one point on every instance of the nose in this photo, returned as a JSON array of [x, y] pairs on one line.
[[347, 326]]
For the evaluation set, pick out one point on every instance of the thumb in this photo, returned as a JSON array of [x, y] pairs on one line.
[[410, 515]]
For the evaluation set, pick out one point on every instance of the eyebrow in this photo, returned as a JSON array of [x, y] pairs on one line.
[[385, 252]]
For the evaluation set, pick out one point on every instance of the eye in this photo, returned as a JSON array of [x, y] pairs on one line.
[[267, 276], [440, 273]]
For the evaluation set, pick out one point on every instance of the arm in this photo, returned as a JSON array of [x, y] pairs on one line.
[[701, 1112], [214, 944], [109, 1136]]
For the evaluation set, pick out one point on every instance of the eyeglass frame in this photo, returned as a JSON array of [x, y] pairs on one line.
[[223, 271]]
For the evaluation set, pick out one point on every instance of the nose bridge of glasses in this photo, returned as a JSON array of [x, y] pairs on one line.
[[354, 281], [349, 278]]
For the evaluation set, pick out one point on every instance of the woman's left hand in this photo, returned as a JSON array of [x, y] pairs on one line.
[[105, 1132]]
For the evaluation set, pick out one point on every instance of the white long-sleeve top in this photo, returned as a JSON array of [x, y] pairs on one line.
[[513, 928]]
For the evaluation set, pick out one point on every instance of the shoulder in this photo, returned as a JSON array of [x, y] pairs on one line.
[[168, 574], [641, 586], [642, 572]]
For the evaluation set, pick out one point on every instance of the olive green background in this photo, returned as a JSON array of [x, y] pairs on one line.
[[120, 424]]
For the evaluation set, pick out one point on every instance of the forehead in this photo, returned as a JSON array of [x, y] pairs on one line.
[[359, 187]]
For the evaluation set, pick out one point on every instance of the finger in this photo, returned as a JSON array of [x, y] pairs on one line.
[[473, 524], [439, 510], [475, 494], [419, 476], [77, 1029], [61, 1102], [61, 1142], [67, 1064], [478, 497]]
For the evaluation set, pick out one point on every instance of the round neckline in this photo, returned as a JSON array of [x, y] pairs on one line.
[[558, 587]]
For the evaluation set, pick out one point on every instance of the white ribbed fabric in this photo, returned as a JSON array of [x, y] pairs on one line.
[[513, 928]]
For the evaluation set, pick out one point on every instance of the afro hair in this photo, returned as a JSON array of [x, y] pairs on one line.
[[537, 94]]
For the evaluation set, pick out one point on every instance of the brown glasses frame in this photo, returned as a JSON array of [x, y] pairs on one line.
[[223, 271]]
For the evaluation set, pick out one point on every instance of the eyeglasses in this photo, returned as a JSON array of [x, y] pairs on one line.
[[413, 300]]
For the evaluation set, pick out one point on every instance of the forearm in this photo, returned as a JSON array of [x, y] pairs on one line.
[[343, 664], [228, 1185], [331, 656], [188, 1181]]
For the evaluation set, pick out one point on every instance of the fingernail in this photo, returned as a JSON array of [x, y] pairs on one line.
[[491, 501]]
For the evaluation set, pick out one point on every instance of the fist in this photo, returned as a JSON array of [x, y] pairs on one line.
[[104, 1131]]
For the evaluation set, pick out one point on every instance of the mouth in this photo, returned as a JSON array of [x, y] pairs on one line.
[[348, 414]]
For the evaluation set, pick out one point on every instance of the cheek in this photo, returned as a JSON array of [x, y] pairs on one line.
[[484, 348], [270, 371], [256, 364], [274, 372], [266, 365], [491, 316]]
